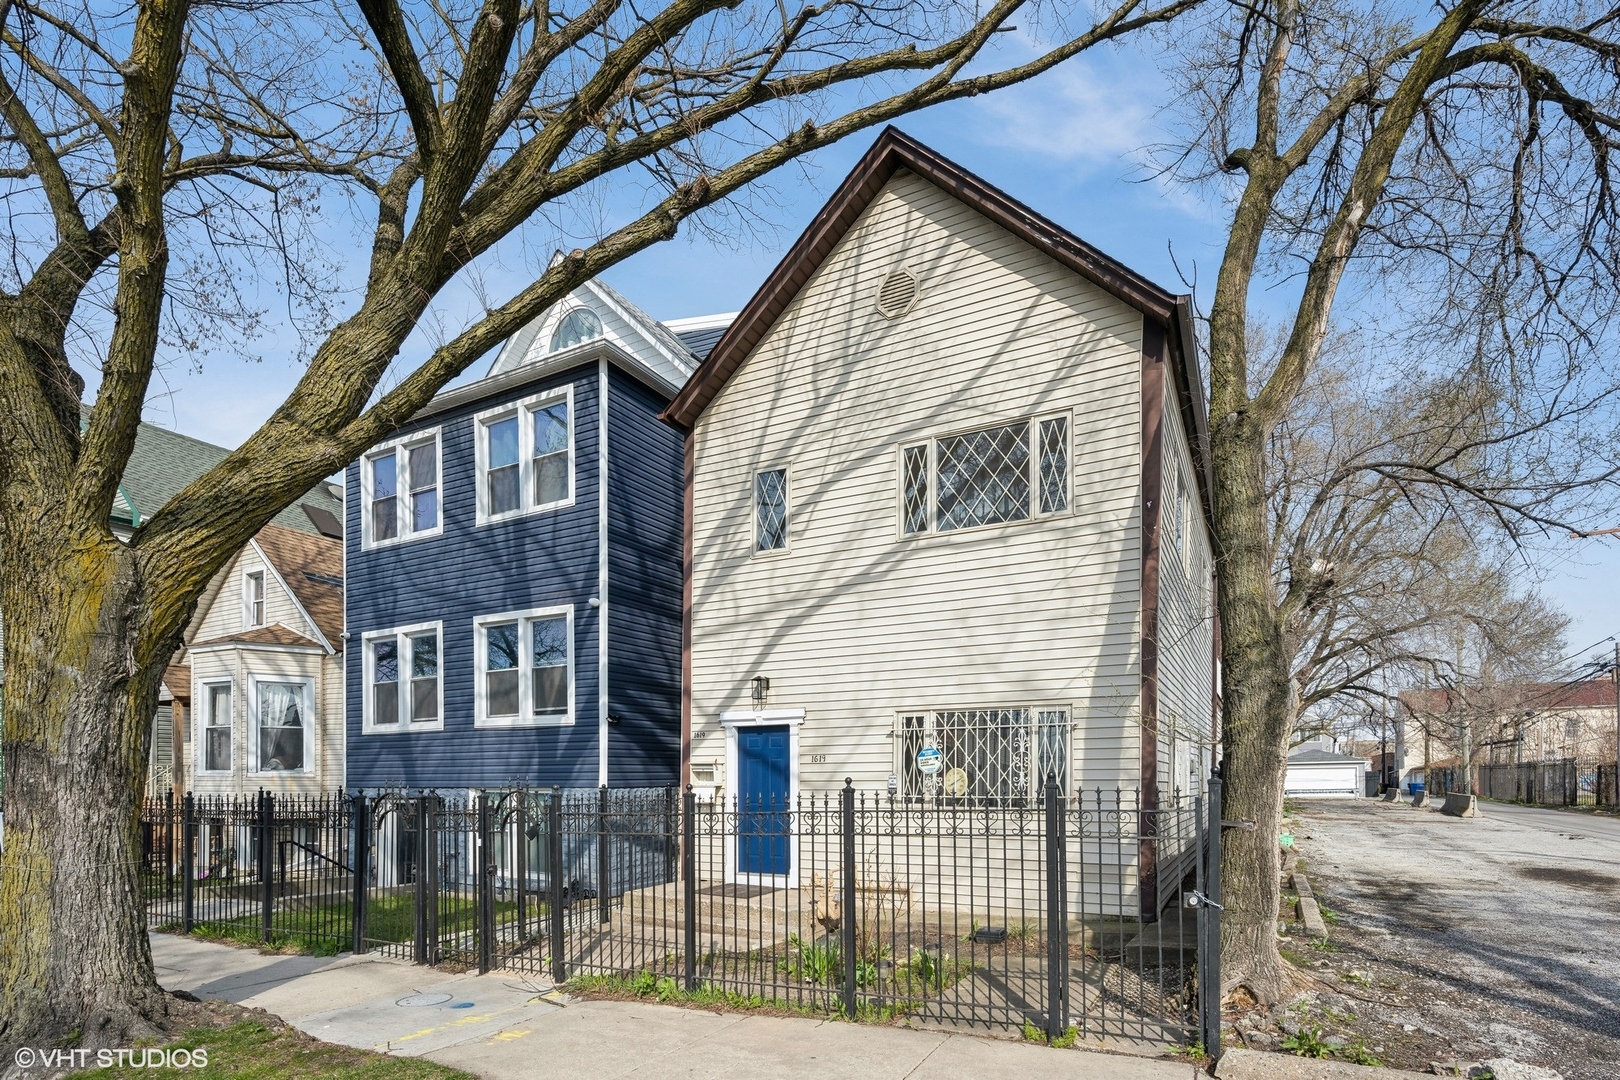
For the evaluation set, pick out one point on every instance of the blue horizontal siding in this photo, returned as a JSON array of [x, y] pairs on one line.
[[646, 495], [468, 571]]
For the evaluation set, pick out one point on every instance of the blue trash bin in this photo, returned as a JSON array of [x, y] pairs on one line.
[[1413, 787]]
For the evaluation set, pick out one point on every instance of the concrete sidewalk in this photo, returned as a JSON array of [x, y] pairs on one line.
[[500, 1026]]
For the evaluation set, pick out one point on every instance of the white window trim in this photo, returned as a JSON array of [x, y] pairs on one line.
[[311, 727], [402, 724], [525, 455], [786, 469], [199, 737], [399, 446], [481, 717], [264, 600], [932, 442], [731, 721]]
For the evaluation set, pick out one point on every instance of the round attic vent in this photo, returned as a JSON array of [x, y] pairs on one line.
[[898, 293]]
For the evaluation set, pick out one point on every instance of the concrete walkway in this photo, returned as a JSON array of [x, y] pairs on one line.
[[500, 1026]]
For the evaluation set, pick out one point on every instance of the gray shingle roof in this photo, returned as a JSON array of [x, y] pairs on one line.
[[163, 462], [699, 342], [1321, 757]]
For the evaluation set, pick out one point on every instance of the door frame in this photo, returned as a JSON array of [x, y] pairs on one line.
[[755, 718]]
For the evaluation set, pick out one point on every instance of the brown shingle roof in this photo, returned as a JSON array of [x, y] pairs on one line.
[[312, 567], [177, 677], [1587, 694], [275, 634]]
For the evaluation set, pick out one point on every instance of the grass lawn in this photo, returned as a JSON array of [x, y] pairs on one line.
[[327, 929], [251, 1050]]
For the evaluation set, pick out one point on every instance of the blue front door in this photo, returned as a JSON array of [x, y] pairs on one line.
[[762, 800]]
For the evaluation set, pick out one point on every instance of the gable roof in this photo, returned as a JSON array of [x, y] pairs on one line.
[[892, 152], [312, 569], [163, 463], [275, 634], [651, 352]]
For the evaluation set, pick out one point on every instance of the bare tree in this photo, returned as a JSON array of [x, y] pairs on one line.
[[154, 156], [1453, 164], [1379, 578]]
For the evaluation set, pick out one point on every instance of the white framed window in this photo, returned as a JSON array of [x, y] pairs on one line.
[[525, 668], [1017, 471], [575, 328], [252, 599], [771, 510], [280, 723], [526, 456], [215, 717], [399, 490], [404, 679], [993, 756]]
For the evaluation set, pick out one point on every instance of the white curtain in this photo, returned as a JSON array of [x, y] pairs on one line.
[[281, 726]]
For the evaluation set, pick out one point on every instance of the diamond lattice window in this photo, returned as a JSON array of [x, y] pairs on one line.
[[1054, 465], [770, 510], [915, 482], [984, 477], [1014, 472], [987, 755]]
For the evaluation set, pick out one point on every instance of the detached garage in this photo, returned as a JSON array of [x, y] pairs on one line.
[[1317, 773]]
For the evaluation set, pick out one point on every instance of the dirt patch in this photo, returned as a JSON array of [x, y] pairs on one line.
[[1454, 949], [1564, 875]]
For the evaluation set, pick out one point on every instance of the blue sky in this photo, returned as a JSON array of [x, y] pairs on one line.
[[1069, 144]]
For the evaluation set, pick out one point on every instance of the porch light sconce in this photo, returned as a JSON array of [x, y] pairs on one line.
[[595, 601], [762, 690]]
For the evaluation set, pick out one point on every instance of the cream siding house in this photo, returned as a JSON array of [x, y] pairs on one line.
[[946, 491], [266, 666]]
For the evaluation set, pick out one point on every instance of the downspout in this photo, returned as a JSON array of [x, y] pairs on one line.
[[602, 572]]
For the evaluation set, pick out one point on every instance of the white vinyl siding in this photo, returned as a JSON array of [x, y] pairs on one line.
[[1186, 613], [219, 615], [857, 629]]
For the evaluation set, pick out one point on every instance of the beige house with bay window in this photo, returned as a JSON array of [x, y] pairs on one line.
[[266, 667], [947, 503]]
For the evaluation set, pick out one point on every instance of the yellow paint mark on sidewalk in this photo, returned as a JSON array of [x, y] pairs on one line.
[[507, 1036]]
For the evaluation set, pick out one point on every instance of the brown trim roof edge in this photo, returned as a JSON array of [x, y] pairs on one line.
[[892, 151]]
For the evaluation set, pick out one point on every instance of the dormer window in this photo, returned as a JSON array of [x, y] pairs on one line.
[[579, 325]]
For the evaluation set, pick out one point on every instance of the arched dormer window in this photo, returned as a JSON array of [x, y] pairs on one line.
[[581, 324]]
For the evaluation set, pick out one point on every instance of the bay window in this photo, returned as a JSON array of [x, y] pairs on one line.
[[281, 714]]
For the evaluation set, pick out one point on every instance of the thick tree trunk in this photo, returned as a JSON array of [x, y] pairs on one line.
[[75, 966], [1255, 712]]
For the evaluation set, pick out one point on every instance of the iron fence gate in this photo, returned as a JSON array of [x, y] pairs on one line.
[[1066, 914]]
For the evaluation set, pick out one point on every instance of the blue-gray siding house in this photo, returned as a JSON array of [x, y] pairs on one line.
[[513, 583]]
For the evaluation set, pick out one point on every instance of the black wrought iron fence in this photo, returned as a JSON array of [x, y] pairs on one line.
[[1564, 782], [1066, 913]]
